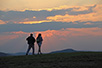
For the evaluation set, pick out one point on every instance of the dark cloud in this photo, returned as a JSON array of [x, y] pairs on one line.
[[45, 26], [18, 16]]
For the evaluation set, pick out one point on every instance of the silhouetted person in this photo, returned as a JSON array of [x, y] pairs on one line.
[[31, 41], [39, 42]]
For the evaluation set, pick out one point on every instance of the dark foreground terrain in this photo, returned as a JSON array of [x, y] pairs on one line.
[[58, 60]]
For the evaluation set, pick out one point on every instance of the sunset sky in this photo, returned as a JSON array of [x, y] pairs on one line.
[[64, 24]]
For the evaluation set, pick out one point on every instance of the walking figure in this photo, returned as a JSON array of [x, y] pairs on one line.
[[31, 41], [39, 42]]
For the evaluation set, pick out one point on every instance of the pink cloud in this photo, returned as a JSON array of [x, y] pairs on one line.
[[2, 22], [76, 38]]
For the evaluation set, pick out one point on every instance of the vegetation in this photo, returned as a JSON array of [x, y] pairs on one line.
[[57, 60]]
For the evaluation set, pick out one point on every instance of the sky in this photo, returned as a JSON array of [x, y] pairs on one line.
[[64, 24]]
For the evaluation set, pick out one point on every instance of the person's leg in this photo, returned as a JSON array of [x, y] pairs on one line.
[[29, 47], [33, 49], [40, 49]]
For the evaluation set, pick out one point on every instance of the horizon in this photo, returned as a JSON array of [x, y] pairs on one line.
[[64, 24], [55, 51]]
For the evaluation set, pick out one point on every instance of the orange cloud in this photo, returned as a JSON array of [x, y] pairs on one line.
[[22, 5], [69, 32], [34, 17], [6, 38], [98, 11], [34, 22], [2, 37], [73, 18], [62, 7], [95, 16], [11, 35], [88, 23], [78, 31], [19, 32], [2, 22]]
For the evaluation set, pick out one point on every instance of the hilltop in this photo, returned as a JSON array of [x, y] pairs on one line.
[[56, 60], [4, 54], [64, 51]]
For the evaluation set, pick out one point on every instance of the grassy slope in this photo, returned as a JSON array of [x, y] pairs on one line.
[[59, 60]]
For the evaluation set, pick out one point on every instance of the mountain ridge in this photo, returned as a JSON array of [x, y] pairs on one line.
[[4, 54], [64, 50]]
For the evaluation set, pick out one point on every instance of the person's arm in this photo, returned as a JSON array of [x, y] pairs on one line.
[[34, 39], [41, 39], [27, 38]]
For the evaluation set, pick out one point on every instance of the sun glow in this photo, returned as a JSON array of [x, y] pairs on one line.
[[35, 22]]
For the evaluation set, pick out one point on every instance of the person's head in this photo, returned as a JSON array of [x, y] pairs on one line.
[[31, 34], [39, 35]]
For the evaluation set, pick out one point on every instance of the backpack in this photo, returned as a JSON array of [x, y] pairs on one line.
[[39, 39]]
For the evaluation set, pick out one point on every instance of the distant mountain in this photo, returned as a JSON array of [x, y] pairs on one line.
[[4, 54], [65, 50], [19, 53]]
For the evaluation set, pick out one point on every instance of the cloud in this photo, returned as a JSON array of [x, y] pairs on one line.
[[74, 32], [34, 22], [11, 42], [27, 16], [94, 15], [6, 37], [74, 24], [47, 26], [73, 18], [88, 23], [75, 38], [21, 5], [2, 22]]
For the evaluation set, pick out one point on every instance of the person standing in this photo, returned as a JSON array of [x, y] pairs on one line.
[[39, 42], [31, 41]]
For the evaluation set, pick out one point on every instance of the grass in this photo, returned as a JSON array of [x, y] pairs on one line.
[[58, 60]]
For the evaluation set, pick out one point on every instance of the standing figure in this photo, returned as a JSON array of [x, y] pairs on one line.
[[39, 42], [31, 41]]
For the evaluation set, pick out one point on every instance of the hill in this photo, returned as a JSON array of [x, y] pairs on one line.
[[19, 53], [65, 50], [56, 60], [4, 54]]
